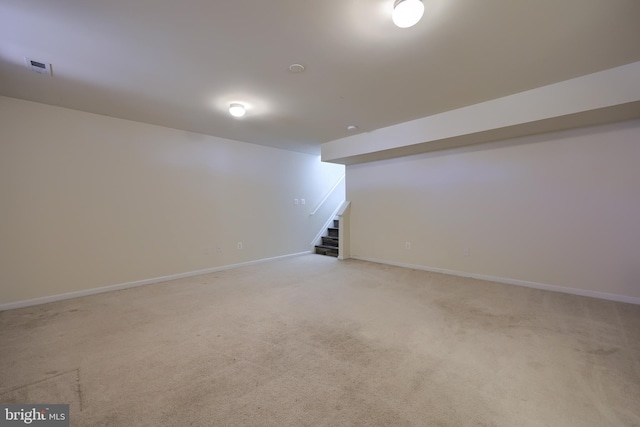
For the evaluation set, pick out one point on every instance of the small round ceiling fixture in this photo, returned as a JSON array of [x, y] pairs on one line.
[[237, 109], [296, 68], [407, 13], [352, 128]]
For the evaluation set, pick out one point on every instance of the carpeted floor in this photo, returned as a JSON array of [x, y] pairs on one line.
[[313, 341]]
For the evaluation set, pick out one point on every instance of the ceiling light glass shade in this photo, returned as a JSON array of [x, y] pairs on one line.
[[236, 110], [407, 13]]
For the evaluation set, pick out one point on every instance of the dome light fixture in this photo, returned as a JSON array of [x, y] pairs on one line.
[[236, 109], [407, 13], [296, 68]]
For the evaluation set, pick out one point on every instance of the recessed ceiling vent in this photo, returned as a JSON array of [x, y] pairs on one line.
[[38, 66]]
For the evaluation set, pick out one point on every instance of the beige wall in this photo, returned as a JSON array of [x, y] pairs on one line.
[[91, 201], [559, 209]]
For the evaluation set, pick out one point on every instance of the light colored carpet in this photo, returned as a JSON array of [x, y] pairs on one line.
[[313, 341]]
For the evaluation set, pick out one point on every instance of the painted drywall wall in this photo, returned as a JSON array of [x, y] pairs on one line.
[[91, 201], [559, 209]]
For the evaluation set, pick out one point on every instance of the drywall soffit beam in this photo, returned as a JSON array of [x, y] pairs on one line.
[[605, 97]]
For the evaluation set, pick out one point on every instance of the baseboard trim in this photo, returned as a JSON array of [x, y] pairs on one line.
[[111, 288], [516, 282]]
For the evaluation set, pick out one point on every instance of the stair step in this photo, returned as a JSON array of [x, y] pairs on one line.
[[330, 241], [333, 232], [327, 250], [336, 223], [335, 248]]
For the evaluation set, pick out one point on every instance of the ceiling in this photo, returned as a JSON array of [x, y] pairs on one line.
[[180, 63]]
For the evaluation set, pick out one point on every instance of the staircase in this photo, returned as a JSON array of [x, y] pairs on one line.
[[329, 244]]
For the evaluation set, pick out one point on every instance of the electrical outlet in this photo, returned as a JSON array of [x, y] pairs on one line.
[[407, 245], [296, 201], [466, 251], [239, 245], [303, 202]]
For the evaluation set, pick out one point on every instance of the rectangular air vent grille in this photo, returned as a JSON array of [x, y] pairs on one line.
[[38, 66]]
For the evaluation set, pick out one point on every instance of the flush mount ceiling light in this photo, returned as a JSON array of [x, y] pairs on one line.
[[236, 110], [407, 13], [296, 68]]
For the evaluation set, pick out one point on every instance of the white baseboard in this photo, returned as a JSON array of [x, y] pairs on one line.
[[111, 288], [524, 283]]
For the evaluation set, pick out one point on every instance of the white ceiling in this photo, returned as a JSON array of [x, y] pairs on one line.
[[180, 63]]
